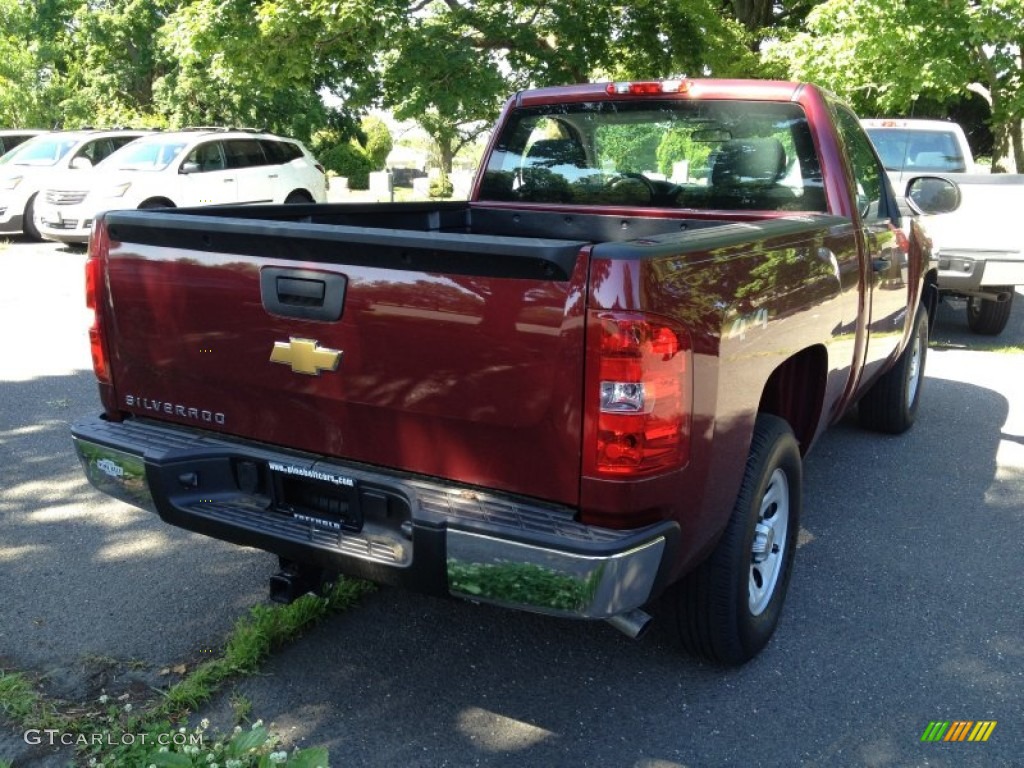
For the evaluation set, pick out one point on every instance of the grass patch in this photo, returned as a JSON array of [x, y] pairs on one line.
[[252, 639], [113, 733], [22, 703]]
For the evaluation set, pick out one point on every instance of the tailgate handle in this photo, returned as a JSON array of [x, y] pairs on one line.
[[305, 294], [298, 290]]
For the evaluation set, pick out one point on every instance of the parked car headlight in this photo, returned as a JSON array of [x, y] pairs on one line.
[[117, 190], [11, 182]]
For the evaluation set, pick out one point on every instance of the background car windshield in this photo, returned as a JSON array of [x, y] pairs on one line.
[[903, 150], [146, 156], [671, 154], [40, 152]]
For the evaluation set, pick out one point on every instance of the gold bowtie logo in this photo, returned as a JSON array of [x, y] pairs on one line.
[[305, 356]]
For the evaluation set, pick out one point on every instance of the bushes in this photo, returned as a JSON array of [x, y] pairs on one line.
[[354, 157], [348, 159]]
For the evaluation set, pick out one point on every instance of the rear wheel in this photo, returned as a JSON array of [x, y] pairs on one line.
[[727, 609], [891, 403], [28, 224], [987, 316]]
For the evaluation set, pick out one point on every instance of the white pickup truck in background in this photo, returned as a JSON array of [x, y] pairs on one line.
[[980, 246]]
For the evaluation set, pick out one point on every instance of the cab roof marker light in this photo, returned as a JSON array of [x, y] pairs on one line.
[[647, 87]]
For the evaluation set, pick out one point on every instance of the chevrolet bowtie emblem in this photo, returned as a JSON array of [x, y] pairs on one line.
[[305, 356]]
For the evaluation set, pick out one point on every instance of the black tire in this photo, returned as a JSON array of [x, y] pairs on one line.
[[890, 405], [988, 317], [28, 223], [155, 204], [727, 609], [298, 197]]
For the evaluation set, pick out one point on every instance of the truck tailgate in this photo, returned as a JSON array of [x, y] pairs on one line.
[[452, 355]]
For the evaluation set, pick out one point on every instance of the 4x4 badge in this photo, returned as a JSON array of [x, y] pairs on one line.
[[305, 356]]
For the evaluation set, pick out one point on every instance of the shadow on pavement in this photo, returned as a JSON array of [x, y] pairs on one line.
[[903, 610], [93, 588]]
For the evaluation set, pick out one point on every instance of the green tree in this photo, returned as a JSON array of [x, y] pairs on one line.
[[433, 74], [31, 64], [112, 60], [264, 63], [451, 63], [882, 55]]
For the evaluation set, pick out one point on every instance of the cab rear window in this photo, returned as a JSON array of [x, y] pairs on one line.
[[667, 154]]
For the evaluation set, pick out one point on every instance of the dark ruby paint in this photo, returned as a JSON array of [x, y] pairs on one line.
[[482, 380]]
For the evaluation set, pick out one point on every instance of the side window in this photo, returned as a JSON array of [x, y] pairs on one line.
[[96, 150], [119, 141], [291, 151], [872, 200], [280, 152], [244, 153], [208, 156], [274, 152]]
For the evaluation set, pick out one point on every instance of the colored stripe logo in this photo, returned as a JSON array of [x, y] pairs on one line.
[[958, 730]]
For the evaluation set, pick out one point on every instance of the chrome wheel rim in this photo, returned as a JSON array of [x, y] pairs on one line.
[[768, 551], [914, 375]]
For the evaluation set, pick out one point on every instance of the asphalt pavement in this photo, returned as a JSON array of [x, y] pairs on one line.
[[905, 604]]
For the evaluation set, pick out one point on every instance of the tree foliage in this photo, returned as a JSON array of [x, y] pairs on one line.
[[883, 55], [449, 64], [265, 63]]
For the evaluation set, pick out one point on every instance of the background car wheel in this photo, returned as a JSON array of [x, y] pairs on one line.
[[727, 609], [149, 205], [28, 224], [891, 403], [298, 197], [988, 317]]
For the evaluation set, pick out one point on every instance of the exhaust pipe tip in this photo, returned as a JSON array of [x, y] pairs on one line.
[[634, 624]]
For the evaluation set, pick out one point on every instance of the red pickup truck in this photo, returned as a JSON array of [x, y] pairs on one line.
[[590, 386]]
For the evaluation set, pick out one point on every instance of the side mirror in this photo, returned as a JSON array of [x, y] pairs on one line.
[[932, 194], [187, 168], [81, 163]]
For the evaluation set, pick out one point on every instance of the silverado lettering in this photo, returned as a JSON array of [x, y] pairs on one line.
[[586, 392], [173, 409]]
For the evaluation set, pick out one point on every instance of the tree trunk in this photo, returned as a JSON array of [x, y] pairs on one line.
[[446, 154], [1004, 159], [1002, 149], [1017, 141]]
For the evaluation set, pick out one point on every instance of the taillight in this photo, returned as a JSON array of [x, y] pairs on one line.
[[902, 241], [639, 395], [93, 285]]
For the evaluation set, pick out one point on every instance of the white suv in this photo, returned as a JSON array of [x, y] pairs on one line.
[[31, 165], [203, 166], [12, 137]]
